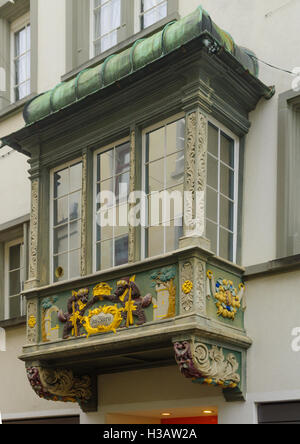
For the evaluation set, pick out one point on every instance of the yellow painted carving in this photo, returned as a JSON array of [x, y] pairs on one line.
[[106, 310], [101, 290], [187, 287], [32, 321]]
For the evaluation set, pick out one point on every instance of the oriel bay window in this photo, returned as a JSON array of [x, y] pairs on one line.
[[66, 186], [111, 200], [163, 178], [222, 192]]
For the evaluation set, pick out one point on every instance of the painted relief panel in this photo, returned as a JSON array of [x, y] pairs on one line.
[[225, 297], [107, 307]]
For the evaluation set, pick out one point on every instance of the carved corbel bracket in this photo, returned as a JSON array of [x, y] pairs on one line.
[[209, 364], [61, 385]]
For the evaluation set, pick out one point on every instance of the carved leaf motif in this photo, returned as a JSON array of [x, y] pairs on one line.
[[187, 275]]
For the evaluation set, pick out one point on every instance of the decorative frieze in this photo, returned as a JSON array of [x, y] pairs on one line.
[[32, 317], [192, 297], [34, 232]]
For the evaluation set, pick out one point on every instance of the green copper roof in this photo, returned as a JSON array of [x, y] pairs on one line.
[[142, 53]]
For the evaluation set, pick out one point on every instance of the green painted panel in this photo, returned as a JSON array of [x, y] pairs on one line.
[[154, 294]]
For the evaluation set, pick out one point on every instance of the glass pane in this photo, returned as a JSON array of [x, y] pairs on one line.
[[212, 172], [14, 307], [212, 204], [155, 145], [20, 42], [104, 233], [75, 177], [60, 239], [75, 206], [227, 150], [108, 41], [60, 268], [175, 136], [122, 158], [21, 70], [121, 220], [213, 140], [212, 235], [61, 211], [155, 175], [105, 255], [226, 245], [15, 257], [155, 241], [227, 182], [173, 234], [105, 165], [61, 183], [121, 250], [226, 213], [122, 187], [14, 283], [175, 169], [172, 204], [75, 235], [74, 264]]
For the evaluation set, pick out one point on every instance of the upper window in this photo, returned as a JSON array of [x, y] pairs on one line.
[[153, 11], [21, 53], [106, 23], [14, 279], [222, 192], [66, 186], [163, 185], [111, 205]]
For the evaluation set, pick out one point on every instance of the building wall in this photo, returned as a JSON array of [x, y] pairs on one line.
[[271, 301]]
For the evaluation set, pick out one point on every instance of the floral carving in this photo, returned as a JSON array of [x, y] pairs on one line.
[[187, 298]]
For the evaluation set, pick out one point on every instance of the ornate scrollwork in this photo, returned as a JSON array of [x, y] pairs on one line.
[[59, 385], [207, 365]]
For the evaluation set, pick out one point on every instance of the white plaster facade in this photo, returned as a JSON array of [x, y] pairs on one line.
[[270, 28]]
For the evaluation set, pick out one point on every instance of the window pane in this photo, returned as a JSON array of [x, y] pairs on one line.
[[121, 250], [14, 282], [212, 172], [75, 206], [104, 233], [122, 187], [105, 255], [212, 205], [75, 235], [155, 173], [61, 183], [74, 264], [105, 165], [153, 13], [226, 245], [227, 182], [175, 169], [175, 136], [20, 42], [122, 158], [155, 241], [213, 140], [226, 213], [21, 70], [212, 235], [121, 220], [227, 150], [75, 177], [173, 234], [60, 240], [14, 257], [61, 211], [60, 266], [155, 145], [14, 307]]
